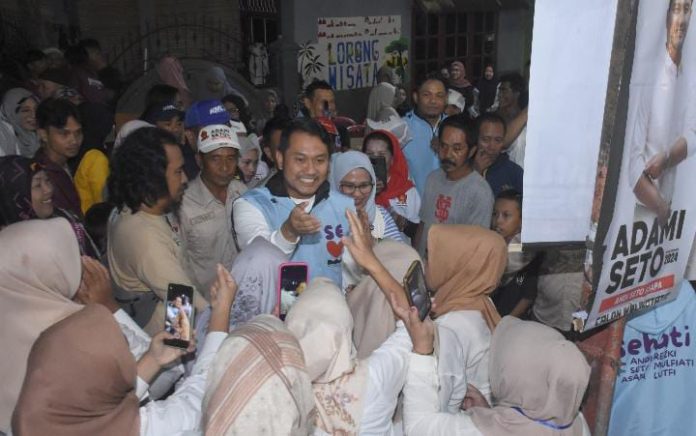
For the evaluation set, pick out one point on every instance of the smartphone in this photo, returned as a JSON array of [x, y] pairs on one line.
[[416, 290], [178, 315], [379, 163], [326, 111], [292, 281]]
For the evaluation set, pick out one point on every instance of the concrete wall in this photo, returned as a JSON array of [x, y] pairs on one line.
[[299, 24]]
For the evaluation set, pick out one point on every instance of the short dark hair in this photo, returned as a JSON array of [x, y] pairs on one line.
[[304, 125], [461, 122], [138, 169], [487, 117], [377, 135], [517, 84], [54, 112], [427, 78], [316, 84], [244, 115], [275, 123], [510, 194], [160, 94]]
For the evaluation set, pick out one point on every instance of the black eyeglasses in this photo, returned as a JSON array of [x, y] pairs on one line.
[[349, 188]]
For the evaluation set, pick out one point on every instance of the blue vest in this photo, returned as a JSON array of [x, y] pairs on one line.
[[323, 251]]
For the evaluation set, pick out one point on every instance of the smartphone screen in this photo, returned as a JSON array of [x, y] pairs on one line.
[[178, 316], [292, 281], [416, 290], [380, 166]]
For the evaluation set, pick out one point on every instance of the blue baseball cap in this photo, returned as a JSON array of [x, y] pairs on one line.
[[206, 112]]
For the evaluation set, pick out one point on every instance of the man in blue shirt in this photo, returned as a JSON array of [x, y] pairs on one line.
[[423, 123], [490, 161]]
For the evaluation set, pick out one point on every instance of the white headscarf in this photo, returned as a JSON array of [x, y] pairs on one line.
[[27, 140], [127, 129], [342, 164], [322, 322]]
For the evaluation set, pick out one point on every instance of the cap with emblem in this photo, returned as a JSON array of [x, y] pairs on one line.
[[215, 136]]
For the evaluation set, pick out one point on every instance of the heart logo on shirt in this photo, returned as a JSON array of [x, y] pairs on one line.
[[335, 248]]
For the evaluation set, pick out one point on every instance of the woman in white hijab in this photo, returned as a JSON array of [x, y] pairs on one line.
[[18, 123], [352, 396]]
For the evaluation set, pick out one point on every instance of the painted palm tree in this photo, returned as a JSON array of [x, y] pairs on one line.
[[398, 47], [304, 54]]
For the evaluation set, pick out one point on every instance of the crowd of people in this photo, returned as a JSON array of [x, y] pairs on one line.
[[98, 222]]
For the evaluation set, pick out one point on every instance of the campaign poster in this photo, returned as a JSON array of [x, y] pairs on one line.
[[648, 242], [349, 51]]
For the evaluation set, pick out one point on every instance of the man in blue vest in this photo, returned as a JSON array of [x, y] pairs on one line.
[[295, 210], [423, 123]]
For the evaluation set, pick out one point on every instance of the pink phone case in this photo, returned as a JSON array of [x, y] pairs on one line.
[[280, 276]]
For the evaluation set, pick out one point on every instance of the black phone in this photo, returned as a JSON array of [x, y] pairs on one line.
[[178, 315], [379, 163], [416, 290], [292, 281], [327, 110]]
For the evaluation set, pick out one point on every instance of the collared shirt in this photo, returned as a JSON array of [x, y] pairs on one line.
[[145, 254], [206, 230], [504, 174], [421, 158]]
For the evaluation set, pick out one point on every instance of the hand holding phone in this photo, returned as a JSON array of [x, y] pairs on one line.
[[292, 281], [178, 316], [422, 332], [416, 290]]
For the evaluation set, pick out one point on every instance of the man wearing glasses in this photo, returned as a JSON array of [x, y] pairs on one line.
[[454, 193]]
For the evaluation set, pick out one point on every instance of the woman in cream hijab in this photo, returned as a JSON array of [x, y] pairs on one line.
[[538, 378], [40, 278], [81, 379], [465, 264], [352, 396], [258, 383], [39, 275], [374, 322]]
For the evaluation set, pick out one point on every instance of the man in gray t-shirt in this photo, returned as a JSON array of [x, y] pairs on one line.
[[454, 193]]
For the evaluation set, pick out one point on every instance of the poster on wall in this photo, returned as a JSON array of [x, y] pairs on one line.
[[648, 242], [349, 51]]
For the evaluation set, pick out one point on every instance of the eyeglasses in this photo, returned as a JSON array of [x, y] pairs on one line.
[[349, 188]]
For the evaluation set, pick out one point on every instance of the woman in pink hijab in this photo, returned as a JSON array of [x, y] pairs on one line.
[[171, 72]]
